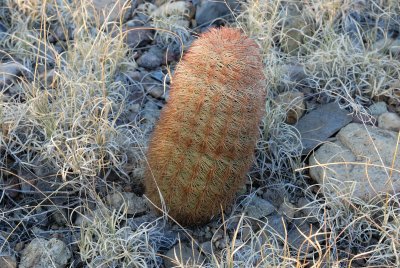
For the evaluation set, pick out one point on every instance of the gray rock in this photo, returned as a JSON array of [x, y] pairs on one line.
[[42, 253], [274, 196], [308, 210], [3, 31], [151, 59], [130, 201], [362, 160], [138, 36], [208, 12], [287, 209], [206, 247], [259, 208], [303, 237], [9, 71], [389, 121], [277, 225], [8, 261], [378, 108], [320, 124], [184, 256], [293, 103]]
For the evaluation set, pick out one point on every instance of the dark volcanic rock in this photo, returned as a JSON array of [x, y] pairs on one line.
[[320, 124]]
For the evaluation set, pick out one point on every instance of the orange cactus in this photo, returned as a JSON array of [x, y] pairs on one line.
[[204, 143]]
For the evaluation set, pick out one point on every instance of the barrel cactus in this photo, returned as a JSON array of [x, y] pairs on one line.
[[203, 145]]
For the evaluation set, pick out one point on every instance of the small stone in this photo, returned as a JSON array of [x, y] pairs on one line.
[[294, 104], [151, 59], [206, 248], [42, 253], [156, 91], [389, 121], [296, 28], [19, 246], [378, 108], [277, 224], [212, 12], [184, 256], [273, 196], [3, 31], [131, 202], [302, 237], [8, 262], [9, 71], [308, 209], [112, 10], [137, 35], [259, 208], [320, 124], [288, 210]]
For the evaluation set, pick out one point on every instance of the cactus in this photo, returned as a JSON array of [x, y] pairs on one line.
[[204, 143]]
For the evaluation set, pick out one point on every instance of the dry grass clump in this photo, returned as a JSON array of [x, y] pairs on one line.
[[66, 113], [343, 51], [107, 241]]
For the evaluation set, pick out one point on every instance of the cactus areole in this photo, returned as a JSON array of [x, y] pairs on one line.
[[204, 143]]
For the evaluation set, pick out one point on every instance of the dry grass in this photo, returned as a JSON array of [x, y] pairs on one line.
[[68, 128]]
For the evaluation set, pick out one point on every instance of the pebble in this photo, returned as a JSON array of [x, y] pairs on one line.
[[129, 201], [209, 12], [259, 208], [389, 121], [300, 235], [3, 31], [293, 102], [151, 59], [378, 108], [287, 209], [42, 253], [9, 71], [137, 35]]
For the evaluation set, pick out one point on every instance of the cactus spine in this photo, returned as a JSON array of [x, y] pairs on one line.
[[204, 142]]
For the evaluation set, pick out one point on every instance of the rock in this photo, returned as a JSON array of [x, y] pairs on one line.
[[378, 108], [3, 31], [294, 104], [362, 153], [130, 201], [211, 12], [156, 91], [389, 121], [318, 125], [259, 208], [294, 72], [305, 238], [207, 248], [287, 209], [152, 58], [273, 196], [295, 29], [150, 115], [42, 253], [137, 35], [308, 210], [183, 255], [277, 225], [110, 10], [178, 8], [8, 262], [9, 71]]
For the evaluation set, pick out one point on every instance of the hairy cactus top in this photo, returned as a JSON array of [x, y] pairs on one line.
[[204, 143]]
